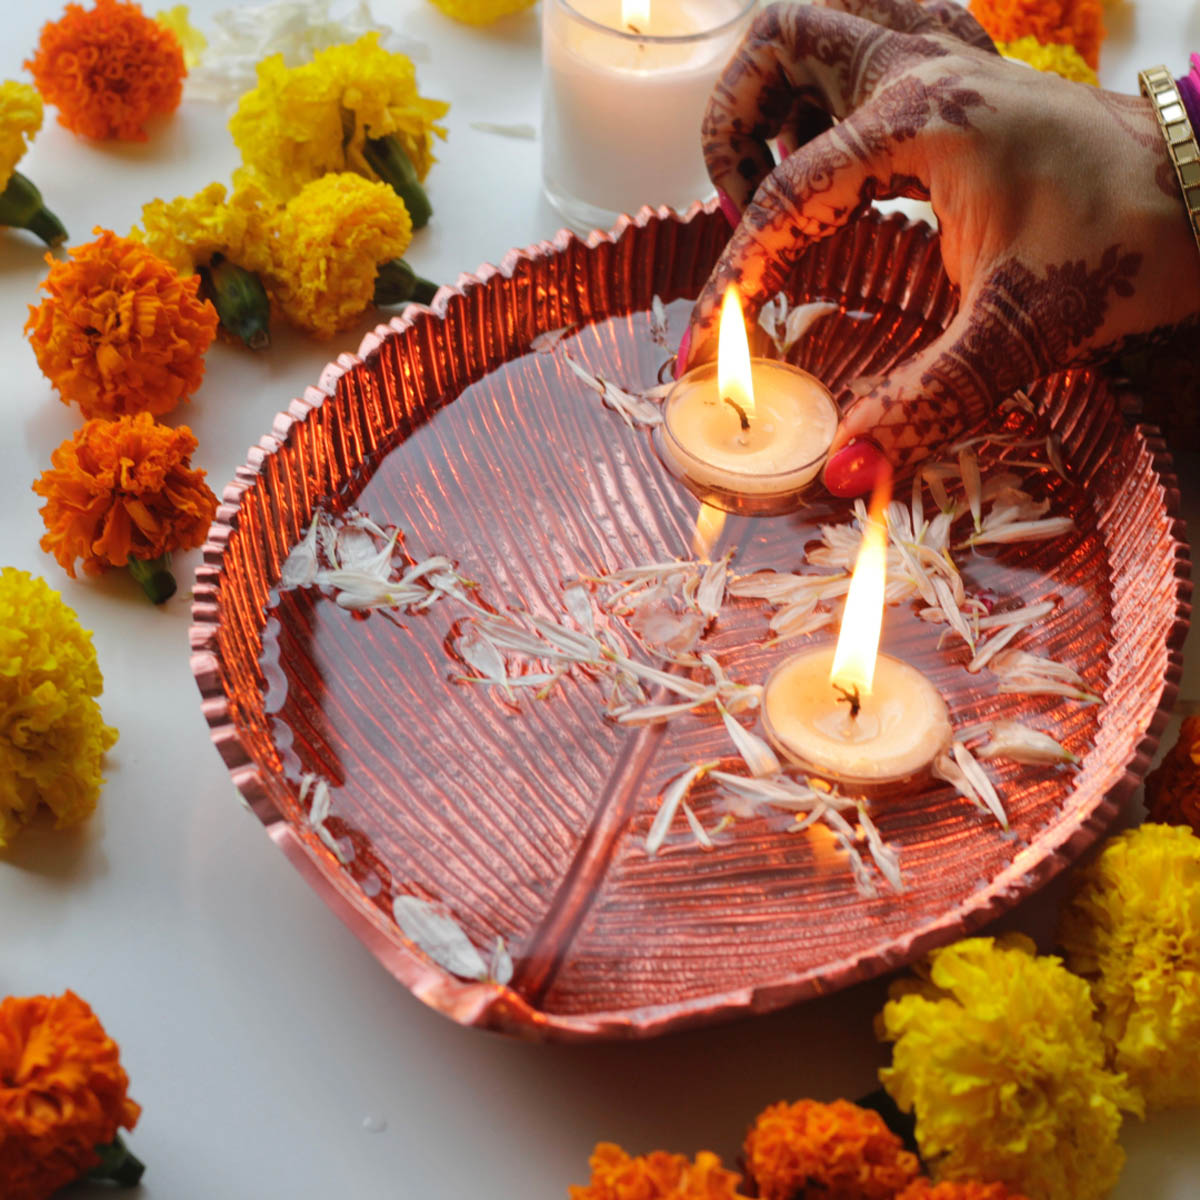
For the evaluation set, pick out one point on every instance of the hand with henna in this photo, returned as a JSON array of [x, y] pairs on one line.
[[1062, 224]]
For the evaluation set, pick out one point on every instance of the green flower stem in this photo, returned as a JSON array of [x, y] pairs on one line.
[[386, 157], [240, 299], [396, 282], [117, 1165], [155, 577], [22, 207]]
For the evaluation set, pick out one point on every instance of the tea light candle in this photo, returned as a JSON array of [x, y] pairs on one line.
[[746, 428], [899, 729], [848, 713], [625, 87]]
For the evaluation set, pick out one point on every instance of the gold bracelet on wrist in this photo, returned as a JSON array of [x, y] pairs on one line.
[[1160, 89]]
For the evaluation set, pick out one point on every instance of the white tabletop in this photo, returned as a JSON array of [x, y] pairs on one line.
[[273, 1056]]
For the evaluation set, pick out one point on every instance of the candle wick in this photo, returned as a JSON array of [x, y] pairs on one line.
[[741, 412], [633, 28], [851, 697]]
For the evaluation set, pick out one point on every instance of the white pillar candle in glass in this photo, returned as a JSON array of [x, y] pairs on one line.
[[625, 85]]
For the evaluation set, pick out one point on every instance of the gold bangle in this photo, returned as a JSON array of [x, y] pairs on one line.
[[1160, 88]]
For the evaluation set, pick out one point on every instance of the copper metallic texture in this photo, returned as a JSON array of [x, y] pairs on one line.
[[529, 822]]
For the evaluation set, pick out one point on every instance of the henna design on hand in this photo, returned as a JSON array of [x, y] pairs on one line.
[[820, 187], [1135, 118], [1020, 327]]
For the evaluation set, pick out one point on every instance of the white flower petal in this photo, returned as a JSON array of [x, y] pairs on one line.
[[672, 798], [758, 756], [1011, 739], [698, 830], [500, 968], [440, 936]]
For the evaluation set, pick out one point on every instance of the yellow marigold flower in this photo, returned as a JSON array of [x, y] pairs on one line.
[[63, 1094], [119, 331], [108, 69], [189, 230], [999, 1055], [480, 12], [1057, 59], [617, 1175], [20, 119], [303, 122], [839, 1150], [52, 736], [330, 240], [191, 40], [1132, 930], [21, 204]]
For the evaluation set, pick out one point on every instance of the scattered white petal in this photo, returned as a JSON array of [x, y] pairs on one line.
[[322, 831], [698, 830], [322, 803], [500, 968], [1023, 531], [785, 325], [960, 769], [658, 323], [886, 857], [1011, 739], [440, 936], [968, 465], [672, 798], [634, 409], [579, 604], [993, 646], [1019, 671], [1023, 616], [758, 756], [300, 567]]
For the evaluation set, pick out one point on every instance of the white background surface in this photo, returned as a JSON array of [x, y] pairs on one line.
[[273, 1056]]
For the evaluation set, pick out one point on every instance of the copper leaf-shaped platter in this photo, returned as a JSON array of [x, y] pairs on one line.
[[464, 427]]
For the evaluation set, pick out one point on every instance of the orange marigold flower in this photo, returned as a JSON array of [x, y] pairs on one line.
[[120, 331], [62, 1094], [108, 69], [617, 1175], [838, 1150], [1078, 23], [924, 1189], [1173, 788], [123, 489]]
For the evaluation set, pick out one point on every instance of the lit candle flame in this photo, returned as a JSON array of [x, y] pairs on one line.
[[862, 619], [734, 381], [709, 523], [635, 15]]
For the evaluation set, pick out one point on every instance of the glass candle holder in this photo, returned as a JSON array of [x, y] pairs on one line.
[[761, 467], [623, 96]]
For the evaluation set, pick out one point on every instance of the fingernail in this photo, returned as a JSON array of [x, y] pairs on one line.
[[729, 208], [781, 150], [855, 468], [685, 344]]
